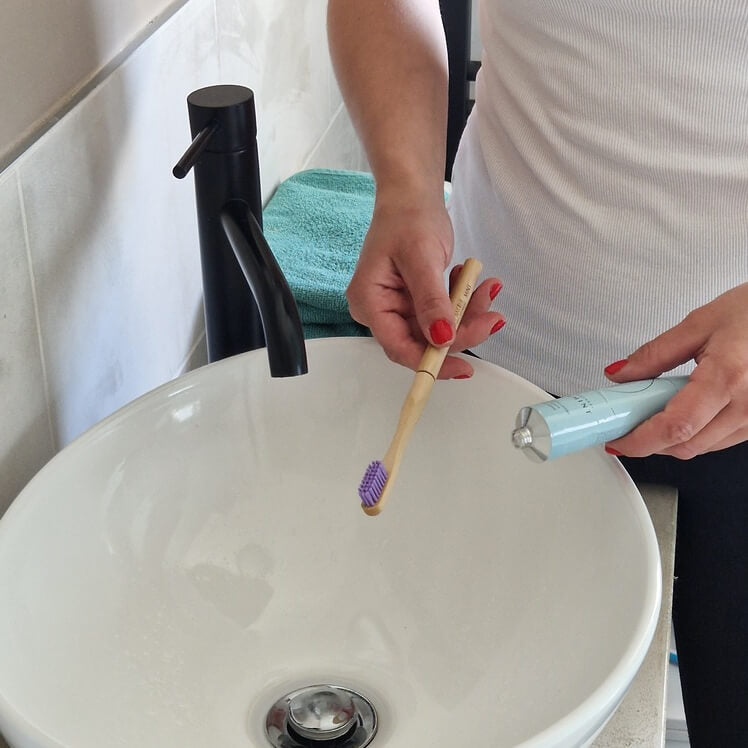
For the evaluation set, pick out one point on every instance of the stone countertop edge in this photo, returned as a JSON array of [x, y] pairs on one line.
[[640, 719]]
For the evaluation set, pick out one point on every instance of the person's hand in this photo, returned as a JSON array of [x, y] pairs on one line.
[[398, 288], [711, 411]]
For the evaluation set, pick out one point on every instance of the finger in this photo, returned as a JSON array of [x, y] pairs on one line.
[[402, 342], [478, 323], [673, 347], [724, 428], [737, 437], [366, 301], [453, 273], [395, 333], [477, 328], [726, 380], [685, 415], [425, 281], [453, 367], [483, 295]]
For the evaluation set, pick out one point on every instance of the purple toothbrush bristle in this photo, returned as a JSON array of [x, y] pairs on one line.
[[370, 488]]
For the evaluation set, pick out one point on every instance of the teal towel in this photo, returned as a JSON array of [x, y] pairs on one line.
[[315, 223]]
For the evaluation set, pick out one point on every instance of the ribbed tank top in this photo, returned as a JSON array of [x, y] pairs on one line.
[[603, 175]]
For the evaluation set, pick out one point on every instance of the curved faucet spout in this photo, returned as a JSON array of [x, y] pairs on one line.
[[284, 335], [233, 250]]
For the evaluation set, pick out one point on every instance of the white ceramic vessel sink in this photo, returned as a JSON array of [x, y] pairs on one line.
[[202, 552]]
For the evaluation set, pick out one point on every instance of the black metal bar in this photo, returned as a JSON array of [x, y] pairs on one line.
[[195, 150], [280, 316], [457, 20]]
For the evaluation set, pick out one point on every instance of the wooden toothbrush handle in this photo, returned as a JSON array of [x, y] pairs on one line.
[[462, 290], [422, 384], [428, 368]]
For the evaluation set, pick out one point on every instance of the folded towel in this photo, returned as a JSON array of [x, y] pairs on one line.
[[315, 223]]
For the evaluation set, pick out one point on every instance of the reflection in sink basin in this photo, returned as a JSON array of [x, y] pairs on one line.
[[200, 553]]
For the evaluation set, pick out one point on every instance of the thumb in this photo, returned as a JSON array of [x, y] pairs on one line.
[[424, 279], [673, 347]]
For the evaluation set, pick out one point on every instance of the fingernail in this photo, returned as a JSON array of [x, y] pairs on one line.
[[616, 366], [498, 326], [463, 376], [440, 331], [494, 292], [612, 451]]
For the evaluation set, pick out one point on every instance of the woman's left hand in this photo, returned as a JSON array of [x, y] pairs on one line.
[[711, 411]]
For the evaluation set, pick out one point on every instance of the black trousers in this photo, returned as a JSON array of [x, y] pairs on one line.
[[710, 592]]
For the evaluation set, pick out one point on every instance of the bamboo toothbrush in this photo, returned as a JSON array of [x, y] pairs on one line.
[[375, 487]]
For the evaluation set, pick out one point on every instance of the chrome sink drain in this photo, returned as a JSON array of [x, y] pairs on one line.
[[321, 715]]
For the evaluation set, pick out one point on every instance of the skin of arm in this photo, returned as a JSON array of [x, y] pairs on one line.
[[390, 59]]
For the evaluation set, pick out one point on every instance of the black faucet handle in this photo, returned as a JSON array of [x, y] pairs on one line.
[[222, 121], [193, 153]]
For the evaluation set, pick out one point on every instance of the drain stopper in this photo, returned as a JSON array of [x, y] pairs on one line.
[[321, 715]]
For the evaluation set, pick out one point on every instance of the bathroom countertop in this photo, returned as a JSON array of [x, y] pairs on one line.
[[640, 720]]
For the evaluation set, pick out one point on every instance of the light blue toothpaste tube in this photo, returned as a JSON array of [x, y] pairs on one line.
[[560, 427]]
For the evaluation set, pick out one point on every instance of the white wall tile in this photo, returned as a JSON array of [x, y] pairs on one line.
[[278, 48], [25, 436], [339, 147], [54, 48], [113, 235]]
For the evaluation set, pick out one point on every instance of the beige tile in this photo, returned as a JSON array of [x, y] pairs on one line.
[[25, 437]]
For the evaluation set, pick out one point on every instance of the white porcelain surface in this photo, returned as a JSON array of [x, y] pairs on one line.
[[186, 562], [25, 436]]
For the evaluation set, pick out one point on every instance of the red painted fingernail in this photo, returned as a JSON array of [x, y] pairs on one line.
[[463, 376], [616, 366], [440, 331], [494, 292], [498, 326], [612, 451]]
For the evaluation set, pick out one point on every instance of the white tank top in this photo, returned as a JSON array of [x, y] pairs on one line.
[[603, 175]]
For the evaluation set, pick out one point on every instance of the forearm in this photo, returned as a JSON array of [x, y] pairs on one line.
[[390, 59]]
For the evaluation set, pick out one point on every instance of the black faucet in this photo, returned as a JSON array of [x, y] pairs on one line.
[[233, 249]]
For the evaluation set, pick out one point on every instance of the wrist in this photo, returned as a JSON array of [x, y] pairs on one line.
[[404, 191]]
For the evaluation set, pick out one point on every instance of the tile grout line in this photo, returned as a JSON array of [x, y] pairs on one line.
[[217, 33], [335, 115], [182, 368], [69, 100], [37, 317]]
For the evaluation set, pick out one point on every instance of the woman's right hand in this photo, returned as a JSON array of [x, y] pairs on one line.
[[398, 290]]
